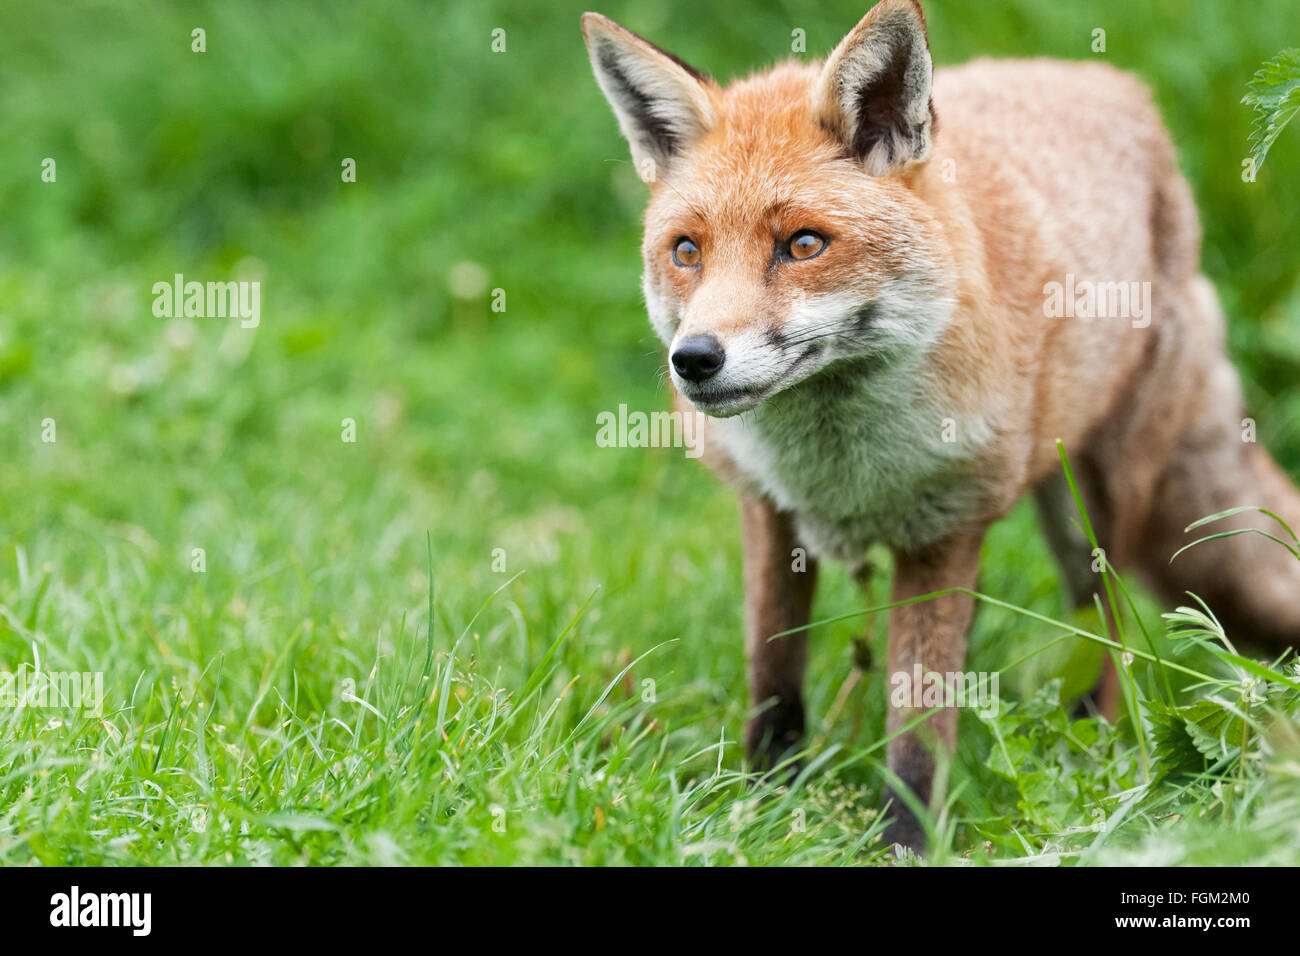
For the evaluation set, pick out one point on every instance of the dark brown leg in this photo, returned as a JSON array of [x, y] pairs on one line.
[[779, 585], [931, 634]]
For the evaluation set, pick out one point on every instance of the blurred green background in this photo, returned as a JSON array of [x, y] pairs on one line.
[[476, 170]]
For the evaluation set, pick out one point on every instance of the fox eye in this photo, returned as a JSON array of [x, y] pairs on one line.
[[686, 253], [805, 244]]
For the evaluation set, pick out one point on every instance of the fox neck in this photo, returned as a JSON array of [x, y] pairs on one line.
[[859, 453]]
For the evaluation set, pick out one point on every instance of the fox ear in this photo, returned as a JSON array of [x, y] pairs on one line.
[[662, 105], [874, 91]]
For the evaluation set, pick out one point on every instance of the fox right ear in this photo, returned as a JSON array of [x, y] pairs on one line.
[[662, 104], [874, 91]]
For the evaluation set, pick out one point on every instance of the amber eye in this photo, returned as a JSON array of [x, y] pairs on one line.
[[805, 244], [686, 253]]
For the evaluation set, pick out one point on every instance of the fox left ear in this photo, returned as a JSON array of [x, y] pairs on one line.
[[874, 91]]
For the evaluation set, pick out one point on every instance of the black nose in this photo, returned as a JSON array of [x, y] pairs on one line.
[[698, 357]]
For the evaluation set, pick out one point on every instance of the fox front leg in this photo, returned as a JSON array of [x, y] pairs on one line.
[[926, 637], [779, 582]]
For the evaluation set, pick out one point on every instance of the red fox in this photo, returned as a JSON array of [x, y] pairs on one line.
[[892, 290]]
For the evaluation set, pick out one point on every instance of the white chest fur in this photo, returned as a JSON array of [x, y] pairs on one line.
[[859, 456]]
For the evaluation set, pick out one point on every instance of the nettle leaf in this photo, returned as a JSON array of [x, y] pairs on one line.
[[1176, 753], [1274, 94], [1187, 737], [1215, 719], [1213, 748]]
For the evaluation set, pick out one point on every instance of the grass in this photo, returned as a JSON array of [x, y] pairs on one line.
[[473, 635]]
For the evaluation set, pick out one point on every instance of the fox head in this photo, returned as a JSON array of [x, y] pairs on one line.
[[784, 232]]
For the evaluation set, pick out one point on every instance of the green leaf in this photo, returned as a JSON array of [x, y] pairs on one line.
[[1176, 754], [1213, 728], [1274, 94], [1212, 747]]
